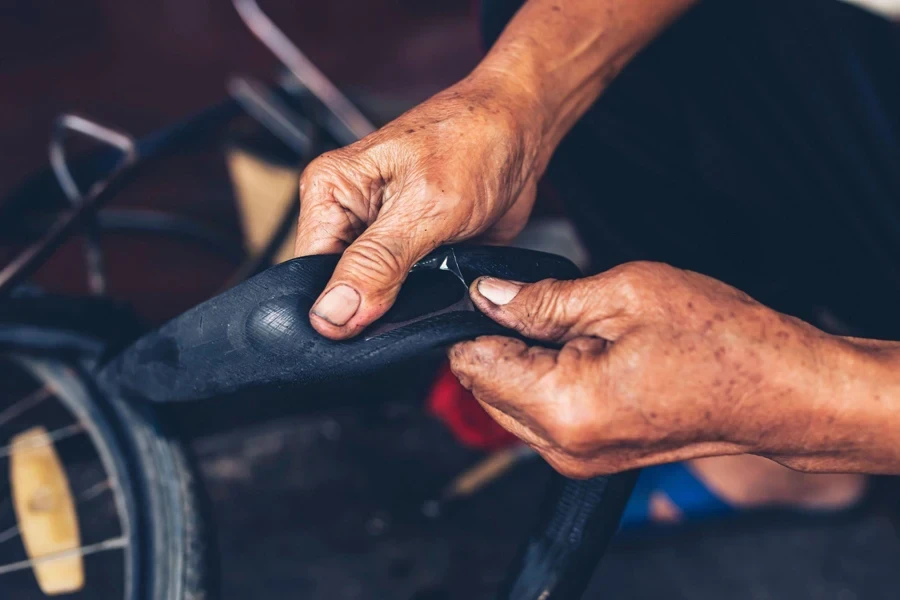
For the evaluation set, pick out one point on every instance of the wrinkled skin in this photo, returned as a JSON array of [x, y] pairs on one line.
[[657, 365], [455, 167], [463, 164]]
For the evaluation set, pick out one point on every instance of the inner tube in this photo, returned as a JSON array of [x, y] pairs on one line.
[[256, 338]]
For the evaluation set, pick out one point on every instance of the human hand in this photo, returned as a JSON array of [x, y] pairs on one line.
[[659, 365], [462, 164]]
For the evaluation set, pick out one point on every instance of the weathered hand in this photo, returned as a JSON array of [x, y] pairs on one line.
[[658, 365], [460, 165]]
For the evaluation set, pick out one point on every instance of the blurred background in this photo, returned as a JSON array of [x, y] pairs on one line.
[[338, 506], [142, 65]]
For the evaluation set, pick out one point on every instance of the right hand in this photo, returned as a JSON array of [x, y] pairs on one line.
[[462, 164]]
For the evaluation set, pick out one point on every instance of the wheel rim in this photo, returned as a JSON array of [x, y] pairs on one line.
[[88, 442]]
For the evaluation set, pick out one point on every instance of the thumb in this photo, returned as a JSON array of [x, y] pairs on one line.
[[553, 310], [367, 279]]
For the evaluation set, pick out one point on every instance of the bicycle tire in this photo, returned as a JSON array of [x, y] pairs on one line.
[[160, 490]]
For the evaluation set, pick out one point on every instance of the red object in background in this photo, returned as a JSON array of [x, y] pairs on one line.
[[453, 404]]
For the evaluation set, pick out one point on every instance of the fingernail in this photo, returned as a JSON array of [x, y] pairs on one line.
[[498, 291], [338, 306]]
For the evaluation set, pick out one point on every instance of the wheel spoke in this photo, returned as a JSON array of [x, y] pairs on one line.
[[36, 406], [94, 491], [53, 436], [24, 404], [9, 534], [106, 545]]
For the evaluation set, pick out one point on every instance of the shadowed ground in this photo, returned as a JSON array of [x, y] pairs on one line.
[[330, 509]]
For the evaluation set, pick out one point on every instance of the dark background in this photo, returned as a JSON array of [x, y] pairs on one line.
[[139, 65], [329, 508]]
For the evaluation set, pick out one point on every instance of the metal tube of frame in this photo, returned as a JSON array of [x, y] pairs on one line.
[[356, 124]]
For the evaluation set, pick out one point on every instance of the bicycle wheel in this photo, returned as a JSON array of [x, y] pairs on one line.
[[96, 499]]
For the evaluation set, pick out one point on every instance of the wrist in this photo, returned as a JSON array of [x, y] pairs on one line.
[[538, 102], [867, 408], [847, 412], [561, 54], [512, 102]]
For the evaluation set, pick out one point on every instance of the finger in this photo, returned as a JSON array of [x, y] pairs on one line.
[[367, 278], [333, 209], [514, 427], [552, 310], [548, 451], [323, 228], [510, 377]]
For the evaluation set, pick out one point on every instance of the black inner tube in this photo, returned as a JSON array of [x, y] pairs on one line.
[[256, 337]]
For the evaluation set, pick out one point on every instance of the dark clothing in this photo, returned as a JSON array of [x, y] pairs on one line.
[[756, 141]]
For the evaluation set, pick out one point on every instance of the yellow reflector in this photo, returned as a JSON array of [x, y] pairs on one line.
[[45, 511]]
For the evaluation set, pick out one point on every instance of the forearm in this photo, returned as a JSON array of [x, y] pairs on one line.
[[557, 56], [853, 418]]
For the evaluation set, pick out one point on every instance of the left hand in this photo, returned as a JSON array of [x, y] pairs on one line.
[[659, 365]]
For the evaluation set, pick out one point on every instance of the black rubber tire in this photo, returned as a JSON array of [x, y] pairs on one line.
[[161, 493], [176, 522]]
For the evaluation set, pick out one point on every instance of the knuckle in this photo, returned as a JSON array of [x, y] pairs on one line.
[[316, 168], [315, 176], [545, 310], [457, 355], [538, 362], [340, 164], [461, 364], [635, 280], [629, 278], [373, 260], [480, 354], [551, 290]]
